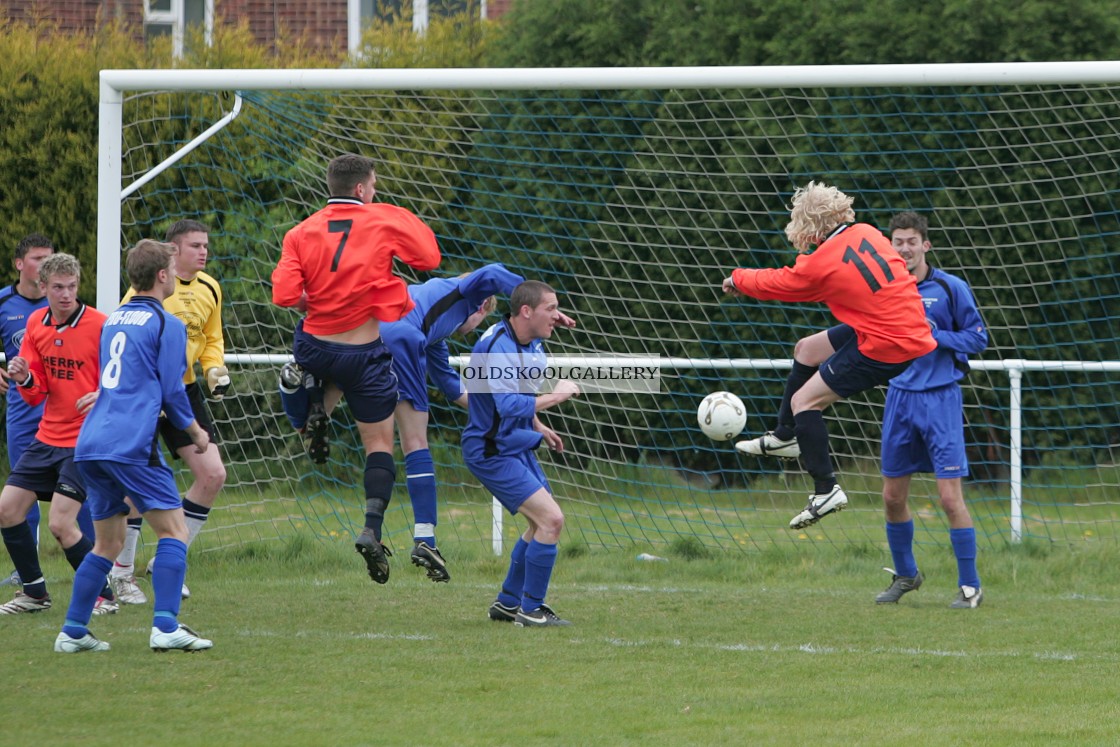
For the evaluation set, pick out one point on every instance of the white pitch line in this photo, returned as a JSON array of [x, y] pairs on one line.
[[770, 648], [822, 650]]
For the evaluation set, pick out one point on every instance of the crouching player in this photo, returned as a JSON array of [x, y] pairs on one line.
[[502, 433], [142, 367]]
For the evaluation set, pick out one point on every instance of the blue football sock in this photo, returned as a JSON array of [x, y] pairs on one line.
[[510, 594], [168, 571], [964, 547], [33, 516], [296, 405], [89, 579], [77, 552], [25, 556], [900, 538], [420, 477], [85, 521], [539, 562]]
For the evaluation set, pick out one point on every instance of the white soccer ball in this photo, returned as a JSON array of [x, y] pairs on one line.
[[722, 416]]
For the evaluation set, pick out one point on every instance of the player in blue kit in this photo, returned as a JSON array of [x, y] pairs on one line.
[[923, 423], [502, 433], [444, 306], [118, 454], [17, 301], [418, 342]]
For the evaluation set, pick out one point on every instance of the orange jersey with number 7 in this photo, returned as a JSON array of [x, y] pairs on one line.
[[865, 284], [342, 258]]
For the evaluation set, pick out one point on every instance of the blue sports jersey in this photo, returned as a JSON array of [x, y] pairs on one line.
[[501, 422], [957, 327], [142, 367], [22, 419], [442, 305]]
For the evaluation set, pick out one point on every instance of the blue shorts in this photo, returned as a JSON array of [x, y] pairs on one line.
[[149, 487], [46, 470], [849, 371], [510, 479], [364, 373], [924, 432], [410, 362]]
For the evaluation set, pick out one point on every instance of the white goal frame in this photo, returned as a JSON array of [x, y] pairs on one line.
[[115, 83]]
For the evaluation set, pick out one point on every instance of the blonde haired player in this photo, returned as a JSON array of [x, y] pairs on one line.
[[856, 272]]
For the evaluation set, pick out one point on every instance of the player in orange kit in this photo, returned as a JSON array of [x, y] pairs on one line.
[[865, 284], [338, 266], [58, 363]]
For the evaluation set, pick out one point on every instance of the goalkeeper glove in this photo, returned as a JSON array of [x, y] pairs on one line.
[[217, 378]]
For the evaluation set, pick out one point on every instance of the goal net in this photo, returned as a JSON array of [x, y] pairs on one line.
[[634, 192]]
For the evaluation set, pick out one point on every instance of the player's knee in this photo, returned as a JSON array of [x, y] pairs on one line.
[[107, 548], [212, 475], [63, 528], [799, 350], [552, 524], [411, 442], [893, 499], [955, 509], [10, 515], [813, 350]]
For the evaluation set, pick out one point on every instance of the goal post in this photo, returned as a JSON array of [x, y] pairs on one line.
[[631, 190]]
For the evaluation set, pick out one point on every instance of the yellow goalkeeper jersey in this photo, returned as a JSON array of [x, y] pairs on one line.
[[198, 304]]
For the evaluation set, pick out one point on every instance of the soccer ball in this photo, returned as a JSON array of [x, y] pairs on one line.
[[722, 416]]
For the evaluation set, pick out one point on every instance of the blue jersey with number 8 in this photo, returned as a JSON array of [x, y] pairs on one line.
[[142, 367]]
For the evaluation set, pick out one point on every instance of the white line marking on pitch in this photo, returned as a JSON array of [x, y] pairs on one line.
[[814, 648]]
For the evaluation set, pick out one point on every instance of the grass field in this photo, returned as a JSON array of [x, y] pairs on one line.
[[784, 646]]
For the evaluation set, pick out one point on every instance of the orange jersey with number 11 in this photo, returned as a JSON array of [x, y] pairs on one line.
[[342, 258], [865, 284]]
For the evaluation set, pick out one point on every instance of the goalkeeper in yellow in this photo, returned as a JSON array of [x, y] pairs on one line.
[[197, 302]]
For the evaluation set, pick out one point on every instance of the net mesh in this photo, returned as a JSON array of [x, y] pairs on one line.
[[635, 205]]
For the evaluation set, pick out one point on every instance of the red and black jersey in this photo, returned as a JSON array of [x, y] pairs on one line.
[[865, 284], [342, 258], [65, 363]]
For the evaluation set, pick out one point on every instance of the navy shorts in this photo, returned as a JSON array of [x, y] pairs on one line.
[[849, 371], [46, 470], [924, 432], [410, 362], [148, 487], [364, 373], [510, 479], [175, 439]]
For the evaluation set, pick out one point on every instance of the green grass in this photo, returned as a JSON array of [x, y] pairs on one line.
[[783, 646], [650, 507]]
